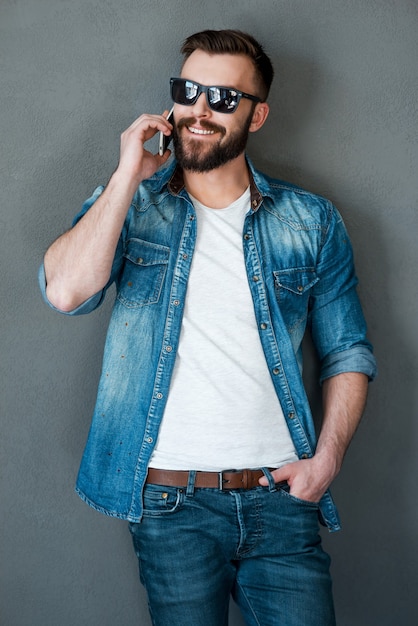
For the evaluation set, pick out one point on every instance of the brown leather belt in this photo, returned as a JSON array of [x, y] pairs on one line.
[[242, 479]]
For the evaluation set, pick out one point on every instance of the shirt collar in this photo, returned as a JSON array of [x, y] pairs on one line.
[[173, 178]]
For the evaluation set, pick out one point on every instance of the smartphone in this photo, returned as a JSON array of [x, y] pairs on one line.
[[165, 139]]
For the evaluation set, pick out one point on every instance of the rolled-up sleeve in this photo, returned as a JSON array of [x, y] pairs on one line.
[[86, 307], [336, 318]]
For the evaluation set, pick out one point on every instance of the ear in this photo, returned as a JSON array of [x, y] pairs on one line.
[[260, 114]]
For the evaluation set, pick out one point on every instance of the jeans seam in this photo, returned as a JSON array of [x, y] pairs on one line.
[[248, 603]]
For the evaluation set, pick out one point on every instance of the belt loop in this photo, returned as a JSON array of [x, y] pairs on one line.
[[190, 483], [267, 474]]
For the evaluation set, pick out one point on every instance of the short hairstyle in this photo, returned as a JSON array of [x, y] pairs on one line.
[[233, 42]]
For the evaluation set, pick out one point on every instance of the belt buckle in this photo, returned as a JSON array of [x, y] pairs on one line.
[[220, 481]]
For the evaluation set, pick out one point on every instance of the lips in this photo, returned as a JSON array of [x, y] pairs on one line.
[[201, 127]]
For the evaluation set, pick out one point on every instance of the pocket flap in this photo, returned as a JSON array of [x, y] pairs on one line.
[[145, 253], [297, 280]]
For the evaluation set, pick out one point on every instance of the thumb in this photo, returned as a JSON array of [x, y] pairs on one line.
[[280, 475]]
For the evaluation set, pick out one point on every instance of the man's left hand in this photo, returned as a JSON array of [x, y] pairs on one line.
[[308, 479]]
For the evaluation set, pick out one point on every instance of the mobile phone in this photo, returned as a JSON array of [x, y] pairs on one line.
[[165, 139]]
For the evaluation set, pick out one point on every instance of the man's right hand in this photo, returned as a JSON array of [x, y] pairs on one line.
[[137, 163]]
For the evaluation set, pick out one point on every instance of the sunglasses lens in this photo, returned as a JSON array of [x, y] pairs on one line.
[[223, 100], [190, 91], [184, 91]]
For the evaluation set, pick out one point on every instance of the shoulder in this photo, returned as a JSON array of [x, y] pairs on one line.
[[293, 204]]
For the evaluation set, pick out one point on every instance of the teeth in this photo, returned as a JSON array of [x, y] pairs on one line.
[[198, 131]]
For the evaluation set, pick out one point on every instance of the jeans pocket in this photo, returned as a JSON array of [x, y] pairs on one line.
[[285, 490], [159, 500]]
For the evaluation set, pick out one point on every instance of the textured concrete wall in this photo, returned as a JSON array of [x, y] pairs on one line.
[[344, 120]]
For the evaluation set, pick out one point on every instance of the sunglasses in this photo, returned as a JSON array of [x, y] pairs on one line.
[[219, 99]]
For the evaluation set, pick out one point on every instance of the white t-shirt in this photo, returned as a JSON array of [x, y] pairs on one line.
[[222, 411]]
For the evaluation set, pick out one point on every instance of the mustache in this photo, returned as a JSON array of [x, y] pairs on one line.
[[190, 121]]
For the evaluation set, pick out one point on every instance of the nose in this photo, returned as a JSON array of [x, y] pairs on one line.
[[201, 108]]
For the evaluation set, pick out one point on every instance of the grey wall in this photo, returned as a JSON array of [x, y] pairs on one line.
[[74, 74]]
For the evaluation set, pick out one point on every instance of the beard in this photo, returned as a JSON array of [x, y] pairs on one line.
[[193, 155]]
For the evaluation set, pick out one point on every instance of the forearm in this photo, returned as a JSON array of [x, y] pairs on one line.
[[344, 398], [78, 264]]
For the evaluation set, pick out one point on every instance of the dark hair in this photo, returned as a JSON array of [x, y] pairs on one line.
[[233, 42]]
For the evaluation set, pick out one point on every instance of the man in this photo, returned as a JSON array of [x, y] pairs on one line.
[[202, 436]]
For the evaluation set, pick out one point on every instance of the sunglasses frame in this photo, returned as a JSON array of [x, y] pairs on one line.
[[205, 89]]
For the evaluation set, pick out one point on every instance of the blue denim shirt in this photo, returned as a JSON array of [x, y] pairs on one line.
[[300, 271]]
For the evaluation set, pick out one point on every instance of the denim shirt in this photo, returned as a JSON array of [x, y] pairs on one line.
[[300, 271]]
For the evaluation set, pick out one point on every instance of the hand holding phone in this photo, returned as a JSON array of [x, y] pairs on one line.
[[165, 139]]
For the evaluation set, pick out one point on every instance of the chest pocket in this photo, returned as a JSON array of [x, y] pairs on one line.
[[292, 288], [143, 273]]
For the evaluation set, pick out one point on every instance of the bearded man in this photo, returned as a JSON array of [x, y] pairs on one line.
[[202, 436]]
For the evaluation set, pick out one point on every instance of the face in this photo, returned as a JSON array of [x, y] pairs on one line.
[[204, 139]]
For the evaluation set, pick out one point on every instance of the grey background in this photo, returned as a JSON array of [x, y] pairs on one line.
[[343, 123]]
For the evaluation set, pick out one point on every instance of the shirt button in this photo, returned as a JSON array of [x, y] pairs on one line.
[[276, 371], [140, 260], [291, 415], [176, 302], [263, 326], [185, 256], [304, 456], [256, 279], [159, 396], [168, 348], [150, 439], [246, 236]]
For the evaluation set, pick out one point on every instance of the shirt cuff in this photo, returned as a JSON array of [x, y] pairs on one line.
[[86, 307], [357, 359]]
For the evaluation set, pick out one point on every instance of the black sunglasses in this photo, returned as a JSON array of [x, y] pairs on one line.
[[219, 99]]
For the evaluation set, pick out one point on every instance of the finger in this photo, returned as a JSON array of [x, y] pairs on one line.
[[279, 475], [169, 128], [148, 126], [163, 158]]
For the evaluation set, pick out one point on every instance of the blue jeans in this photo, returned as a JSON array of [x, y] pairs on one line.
[[196, 547]]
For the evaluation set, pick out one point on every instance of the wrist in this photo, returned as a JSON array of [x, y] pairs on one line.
[[328, 462], [124, 180]]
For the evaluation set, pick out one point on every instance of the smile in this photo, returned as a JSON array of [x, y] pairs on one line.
[[200, 131]]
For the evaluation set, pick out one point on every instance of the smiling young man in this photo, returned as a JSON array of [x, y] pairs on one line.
[[202, 437]]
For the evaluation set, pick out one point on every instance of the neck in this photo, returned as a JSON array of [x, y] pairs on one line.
[[220, 187]]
